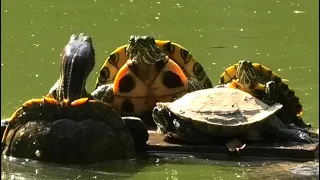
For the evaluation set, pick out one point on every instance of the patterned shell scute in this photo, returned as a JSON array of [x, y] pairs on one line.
[[222, 106]]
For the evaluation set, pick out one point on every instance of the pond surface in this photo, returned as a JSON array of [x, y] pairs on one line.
[[282, 35], [163, 166]]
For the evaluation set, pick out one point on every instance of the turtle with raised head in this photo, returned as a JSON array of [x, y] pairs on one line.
[[253, 78], [221, 114], [138, 75], [68, 125]]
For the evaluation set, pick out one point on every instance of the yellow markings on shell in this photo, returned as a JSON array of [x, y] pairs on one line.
[[49, 95], [32, 101], [40, 101], [229, 74], [112, 68], [175, 53], [264, 70], [80, 101], [14, 115]]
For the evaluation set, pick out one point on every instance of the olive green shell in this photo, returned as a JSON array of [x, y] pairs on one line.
[[287, 97], [221, 111], [177, 53], [26, 134]]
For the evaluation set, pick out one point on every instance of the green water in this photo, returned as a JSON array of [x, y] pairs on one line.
[[282, 35]]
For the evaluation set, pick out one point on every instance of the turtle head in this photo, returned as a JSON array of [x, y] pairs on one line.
[[162, 116], [77, 61], [246, 74], [144, 50]]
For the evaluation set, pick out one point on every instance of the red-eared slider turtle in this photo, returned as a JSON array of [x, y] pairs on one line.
[[68, 126], [146, 71], [253, 77], [221, 113]]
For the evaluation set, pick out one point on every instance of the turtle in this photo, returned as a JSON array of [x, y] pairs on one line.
[[145, 71], [222, 114], [253, 77], [68, 125]]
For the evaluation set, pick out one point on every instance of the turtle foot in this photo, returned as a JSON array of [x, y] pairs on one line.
[[235, 145]]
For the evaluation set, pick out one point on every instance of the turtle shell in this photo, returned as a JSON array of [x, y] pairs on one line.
[[175, 52], [264, 74], [164, 81], [132, 96], [46, 130], [221, 111]]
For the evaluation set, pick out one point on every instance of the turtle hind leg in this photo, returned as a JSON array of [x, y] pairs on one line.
[[280, 132], [271, 94], [287, 117]]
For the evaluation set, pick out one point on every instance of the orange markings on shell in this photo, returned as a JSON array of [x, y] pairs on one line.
[[50, 100], [123, 71], [160, 90], [140, 88], [33, 101], [174, 67], [80, 101]]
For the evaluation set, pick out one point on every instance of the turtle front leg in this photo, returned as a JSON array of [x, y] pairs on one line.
[[272, 93], [104, 93]]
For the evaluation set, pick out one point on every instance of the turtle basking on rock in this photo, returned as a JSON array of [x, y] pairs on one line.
[[220, 114], [253, 78], [138, 75], [68, 125]]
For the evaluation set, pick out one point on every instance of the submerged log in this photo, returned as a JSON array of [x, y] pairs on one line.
[[285, 151]]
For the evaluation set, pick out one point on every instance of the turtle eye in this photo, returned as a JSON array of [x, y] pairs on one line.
[[72, 37], [88, 39], [151, 39], [132, 38]]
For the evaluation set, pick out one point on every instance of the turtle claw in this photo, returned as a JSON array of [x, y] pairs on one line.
[[235, 145], [272, 93]]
